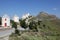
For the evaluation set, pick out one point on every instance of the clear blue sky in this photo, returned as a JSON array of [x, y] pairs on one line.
[[33, 7]]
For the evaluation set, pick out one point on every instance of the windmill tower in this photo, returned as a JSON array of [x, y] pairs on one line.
[[5, 21]]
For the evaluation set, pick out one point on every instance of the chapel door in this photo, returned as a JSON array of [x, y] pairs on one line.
[[5, 24]]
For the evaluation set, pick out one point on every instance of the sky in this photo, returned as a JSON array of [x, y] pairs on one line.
[[20, 7]]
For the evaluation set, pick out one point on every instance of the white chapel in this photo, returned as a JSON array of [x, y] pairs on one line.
[[6, 21], [25, 16], [16, 18]]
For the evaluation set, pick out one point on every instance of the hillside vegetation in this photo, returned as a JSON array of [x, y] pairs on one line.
[[42, 27]]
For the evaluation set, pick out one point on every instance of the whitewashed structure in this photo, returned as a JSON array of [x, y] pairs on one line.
[[16, 18], [25, 16], [6, 21]]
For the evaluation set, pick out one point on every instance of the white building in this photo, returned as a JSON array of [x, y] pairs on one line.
[[5, 21], [25, 16], [16, 18]]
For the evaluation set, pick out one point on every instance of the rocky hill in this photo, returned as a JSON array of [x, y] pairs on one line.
[[44, 15]]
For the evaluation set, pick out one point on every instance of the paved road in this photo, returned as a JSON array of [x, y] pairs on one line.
[[7, 31], [4, 33]]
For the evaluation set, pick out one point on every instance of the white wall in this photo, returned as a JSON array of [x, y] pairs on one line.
[[16, 18], [7, 20]]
